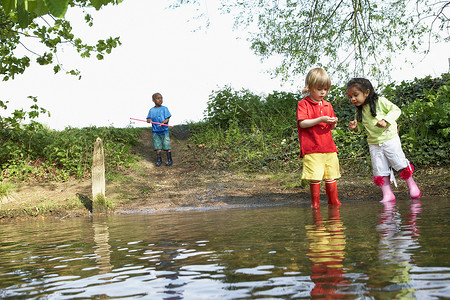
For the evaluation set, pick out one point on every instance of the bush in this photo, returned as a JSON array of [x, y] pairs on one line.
[[250, 132], [58, 155]]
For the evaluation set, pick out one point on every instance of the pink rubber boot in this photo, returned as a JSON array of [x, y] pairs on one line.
[[406, 174], [385, 185]]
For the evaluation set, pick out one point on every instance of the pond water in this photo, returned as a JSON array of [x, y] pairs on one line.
[[363, 250]]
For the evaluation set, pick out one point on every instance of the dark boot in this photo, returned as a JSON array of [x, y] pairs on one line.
[[158, 159], [169, 159]]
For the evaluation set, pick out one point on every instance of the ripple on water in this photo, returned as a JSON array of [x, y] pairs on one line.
[[361, 250]]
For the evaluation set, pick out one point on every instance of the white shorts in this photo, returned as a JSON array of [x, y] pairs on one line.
[[386, 155]]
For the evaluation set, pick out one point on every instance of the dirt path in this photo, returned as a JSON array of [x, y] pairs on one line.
[[188, 185]]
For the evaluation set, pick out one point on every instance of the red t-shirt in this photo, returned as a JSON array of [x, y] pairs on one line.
[[318, 138]]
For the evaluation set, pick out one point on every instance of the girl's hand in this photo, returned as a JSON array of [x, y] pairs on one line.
[[381, 123], [352, 125]]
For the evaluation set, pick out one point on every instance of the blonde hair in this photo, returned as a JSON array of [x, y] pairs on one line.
[[316, 78]]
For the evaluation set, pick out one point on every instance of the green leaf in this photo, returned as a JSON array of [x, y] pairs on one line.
[[37, 7], [99, 3], [57, 8], [22, 14], [8, 5]]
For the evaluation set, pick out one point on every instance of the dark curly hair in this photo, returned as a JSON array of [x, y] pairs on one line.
[[363, 85]]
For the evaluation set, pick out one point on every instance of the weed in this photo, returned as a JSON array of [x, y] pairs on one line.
[[6, 190]]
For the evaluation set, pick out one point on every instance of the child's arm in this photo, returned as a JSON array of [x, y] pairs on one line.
[[149, 120], [166, 121], [391, 112], [312, 122]]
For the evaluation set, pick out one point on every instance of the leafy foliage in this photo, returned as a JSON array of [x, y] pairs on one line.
[[246, 131], [344, 36], [28, 150], [33, 152], [26, 11], [242, 131], [21, 27], [426, 127]]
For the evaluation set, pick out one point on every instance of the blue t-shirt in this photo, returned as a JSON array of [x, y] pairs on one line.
[[159, 114]]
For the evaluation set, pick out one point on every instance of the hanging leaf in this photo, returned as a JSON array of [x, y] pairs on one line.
[[8, 5], [99, 3], [57, 8], [36, 7], [22, 14]]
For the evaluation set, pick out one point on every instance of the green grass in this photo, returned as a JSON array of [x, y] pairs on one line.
[[6, 190]]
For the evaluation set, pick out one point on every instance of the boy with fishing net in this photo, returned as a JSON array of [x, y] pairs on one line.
[[161, 139]]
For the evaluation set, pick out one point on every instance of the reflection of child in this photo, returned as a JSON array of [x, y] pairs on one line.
[[161, 139], [315, 119], [378, 116], [327, 253]]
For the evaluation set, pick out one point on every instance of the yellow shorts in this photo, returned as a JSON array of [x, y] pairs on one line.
[[320, 166]]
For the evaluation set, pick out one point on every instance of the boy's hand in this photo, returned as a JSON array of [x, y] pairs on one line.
[[352, 125], [326, 119], [149, 120]]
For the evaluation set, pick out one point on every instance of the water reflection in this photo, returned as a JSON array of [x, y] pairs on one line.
[[278, 253], [168, 261], [102, 251], [397, 242], [326, 253]]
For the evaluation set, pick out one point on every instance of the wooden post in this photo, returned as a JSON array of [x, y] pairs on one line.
[[98, 178]]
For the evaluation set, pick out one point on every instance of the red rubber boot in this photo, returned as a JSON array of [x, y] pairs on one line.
[[332, 193], [314, 187]]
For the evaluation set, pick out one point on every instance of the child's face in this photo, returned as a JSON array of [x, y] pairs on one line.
[[317, 94], [158, 100], [357, 97]]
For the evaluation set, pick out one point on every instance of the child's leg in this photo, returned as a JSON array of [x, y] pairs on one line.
[[169, 159], [314, 187], [313, 170], [166, 147], [381, 171], [396, 156], [385, 184], [330, 174], [332, 193], [157, 145], [406, 174], [158, 158]]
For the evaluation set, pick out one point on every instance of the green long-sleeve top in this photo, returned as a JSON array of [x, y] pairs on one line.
[[386, 110]]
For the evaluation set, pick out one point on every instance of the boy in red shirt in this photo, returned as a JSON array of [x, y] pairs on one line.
[[315, 119]]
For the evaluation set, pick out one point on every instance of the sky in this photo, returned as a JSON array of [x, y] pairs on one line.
[[161, 52]]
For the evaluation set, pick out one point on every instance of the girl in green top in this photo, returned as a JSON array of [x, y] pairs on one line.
[[378, 116]]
